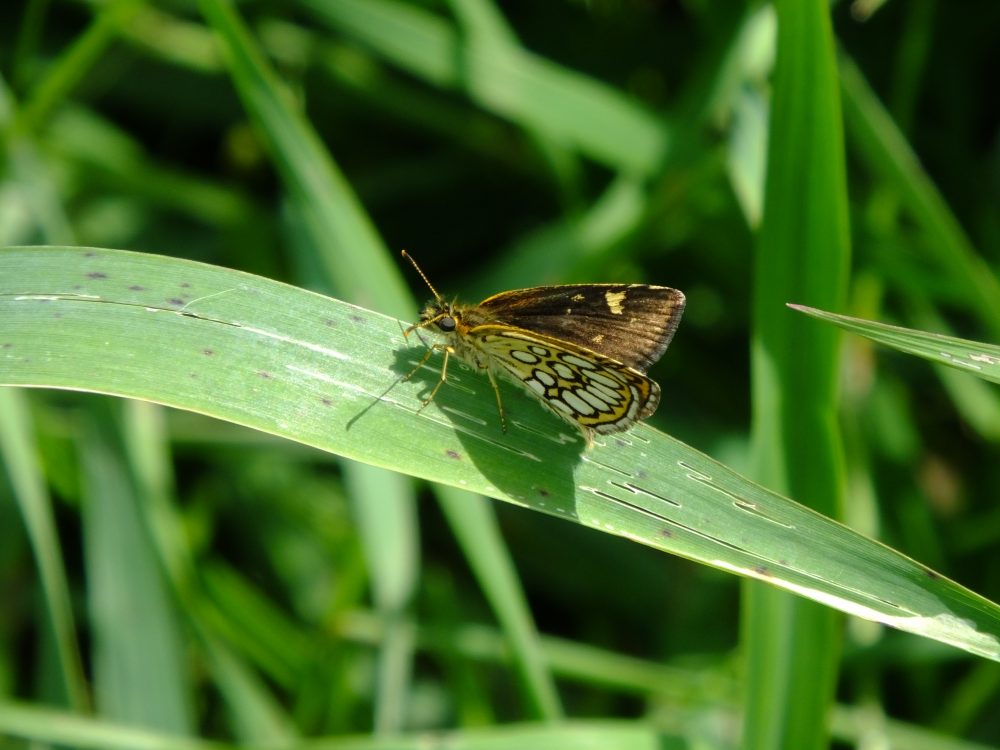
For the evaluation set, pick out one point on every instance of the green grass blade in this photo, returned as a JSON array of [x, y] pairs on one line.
[[137, 646], [531, 91], [802, 248], [324, 373], [252, 711], [354, 261], [18, 449], [476, 529], [886, 151], [255, 714], [973, 357], [355, 258], [44, 725], [74, 63], [385, 509], [56, 727], [358, 272]]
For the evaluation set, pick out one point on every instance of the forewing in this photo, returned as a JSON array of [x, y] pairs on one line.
[[630, 323], [596, 392]]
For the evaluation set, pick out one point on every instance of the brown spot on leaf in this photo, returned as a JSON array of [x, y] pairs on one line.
[[137, 288], [97, 275], [453, 454]]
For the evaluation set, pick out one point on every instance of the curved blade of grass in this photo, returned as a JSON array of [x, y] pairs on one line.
[[74, 63], [477, 530], [45, 725], [886, 151], [973, 357], [330, 207], [18, 452], [359, 267], [137, 647], [529, 90], [58, 727], [324, 373], [802, 248]]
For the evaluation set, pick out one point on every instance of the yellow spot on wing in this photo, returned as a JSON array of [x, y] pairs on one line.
[[614, 300]]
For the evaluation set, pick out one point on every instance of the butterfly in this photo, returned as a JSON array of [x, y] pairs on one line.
[[582, 349]]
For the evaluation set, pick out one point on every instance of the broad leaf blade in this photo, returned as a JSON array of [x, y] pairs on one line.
[[312, 369]]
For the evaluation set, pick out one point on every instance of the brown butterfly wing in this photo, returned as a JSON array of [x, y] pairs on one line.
[[630, 323]]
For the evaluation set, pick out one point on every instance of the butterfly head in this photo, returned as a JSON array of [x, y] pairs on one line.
[[444, 316]]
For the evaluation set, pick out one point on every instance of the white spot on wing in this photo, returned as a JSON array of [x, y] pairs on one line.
[[578, 404], [603, 379], [563, 371], [572, 359], [608, 394], [593, 399], [545, 377]]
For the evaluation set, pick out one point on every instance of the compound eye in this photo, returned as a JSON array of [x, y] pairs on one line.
[[446, 324]]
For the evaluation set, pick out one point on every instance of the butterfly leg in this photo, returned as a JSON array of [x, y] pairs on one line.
[[496, 390], [444, 370]]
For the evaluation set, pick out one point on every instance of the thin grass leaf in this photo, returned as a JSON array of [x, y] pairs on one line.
[[973, 357], [354, 261], [18, 448], [476, 529], [74, 63], [802, 248], [887, 153], [360, 269], [57, 727], [137, 645], [530, 90], [354, 255]]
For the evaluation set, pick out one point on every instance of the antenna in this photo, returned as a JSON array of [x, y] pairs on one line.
[[422, 275]]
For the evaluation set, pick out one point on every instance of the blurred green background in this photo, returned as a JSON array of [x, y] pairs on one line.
[[503, 145]]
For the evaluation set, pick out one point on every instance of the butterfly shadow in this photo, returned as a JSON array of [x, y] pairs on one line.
[[533, 462]]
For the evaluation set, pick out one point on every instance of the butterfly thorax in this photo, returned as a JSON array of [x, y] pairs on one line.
[[455, 321]]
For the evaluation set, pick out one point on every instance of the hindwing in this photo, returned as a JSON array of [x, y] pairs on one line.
[[596, 392]]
